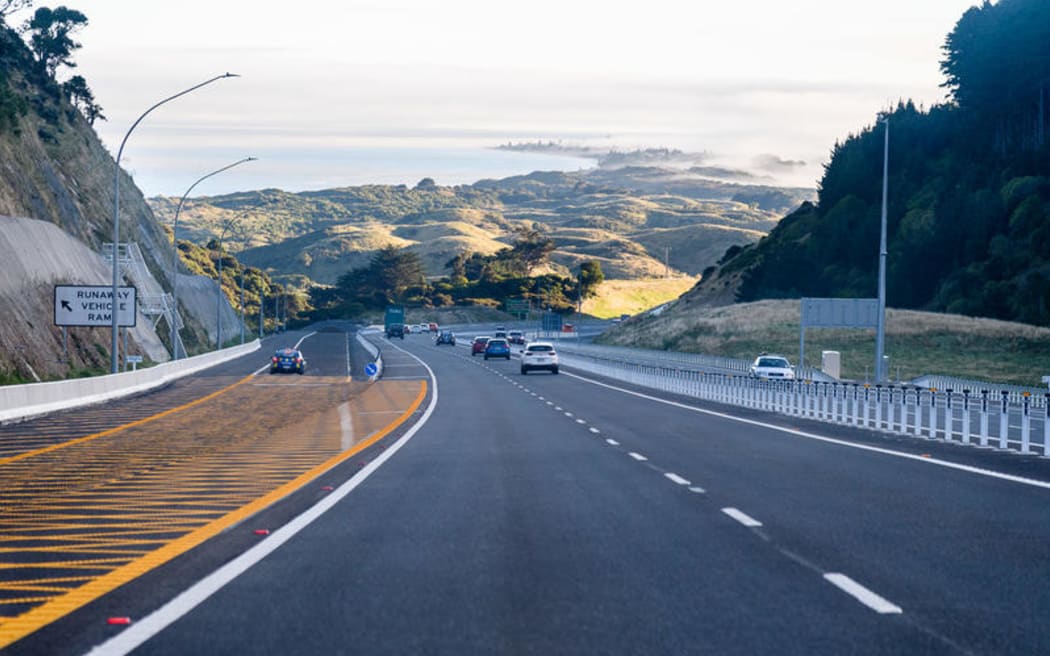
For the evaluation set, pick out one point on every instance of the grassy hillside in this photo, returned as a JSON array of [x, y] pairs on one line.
[[917, 343], [625, 219], [616, 297]]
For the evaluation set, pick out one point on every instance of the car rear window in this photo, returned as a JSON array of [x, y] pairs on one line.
[[540, 348], [497, 342]]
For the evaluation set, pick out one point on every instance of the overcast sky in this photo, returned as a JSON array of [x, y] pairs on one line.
[[338, 92]]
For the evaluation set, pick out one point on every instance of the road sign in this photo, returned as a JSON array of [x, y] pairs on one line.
[[371, 369], [91, 305], [133, 359]]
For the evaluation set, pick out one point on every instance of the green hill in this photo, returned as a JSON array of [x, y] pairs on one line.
[[624, 218]]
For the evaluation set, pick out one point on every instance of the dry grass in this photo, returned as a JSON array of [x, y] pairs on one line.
[[917, 343], [616, 297]]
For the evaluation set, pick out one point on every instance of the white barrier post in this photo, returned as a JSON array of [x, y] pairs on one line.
[[1004, 421], [966, 417], [984, 417], [1026, 427], [949, 415], [933, 413]]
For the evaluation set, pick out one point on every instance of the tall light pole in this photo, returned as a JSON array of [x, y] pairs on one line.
[[175, 256], [115, 355], [880, 336], [218, 291]]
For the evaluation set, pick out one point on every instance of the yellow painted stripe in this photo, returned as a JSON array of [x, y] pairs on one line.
[[111, 431], [17, 628]]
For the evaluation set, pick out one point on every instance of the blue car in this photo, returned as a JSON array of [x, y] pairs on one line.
[[287, 360], [497, 348]]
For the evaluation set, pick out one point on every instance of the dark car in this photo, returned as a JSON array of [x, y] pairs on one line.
[[497, 348], [478, 345], [287, 360], [446, 337], [395, 330]]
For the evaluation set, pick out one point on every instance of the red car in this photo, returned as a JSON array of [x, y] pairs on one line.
[[478, 345]]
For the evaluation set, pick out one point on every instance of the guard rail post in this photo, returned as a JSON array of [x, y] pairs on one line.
[[966, 417], [1046, 425], [856, 404], [878, 407], [918, 412], [822, 401], [1026, 428], [949, 415], [867, 405], [1004, 421], [889, 407], [933, 413], [984, 417]]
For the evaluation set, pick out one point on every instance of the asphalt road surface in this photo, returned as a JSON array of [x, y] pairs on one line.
[[548, 514]]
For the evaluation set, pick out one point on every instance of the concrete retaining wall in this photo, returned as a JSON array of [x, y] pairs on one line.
[[23, 401]]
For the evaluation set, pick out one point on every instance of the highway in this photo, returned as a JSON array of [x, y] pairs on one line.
[[547, 514]]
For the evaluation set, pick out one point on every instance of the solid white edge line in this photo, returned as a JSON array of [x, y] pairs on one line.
[[744, 519], [862, 594], [160, 619], [828, 440], [675, 478]]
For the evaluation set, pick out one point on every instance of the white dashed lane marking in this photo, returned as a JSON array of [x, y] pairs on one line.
[[637, 456], [675, 478], [742, 518], [612, 443], [580, 421], [862, 594], [594, 430]]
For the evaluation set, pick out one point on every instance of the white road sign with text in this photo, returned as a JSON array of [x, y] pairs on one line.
[[91, 305]]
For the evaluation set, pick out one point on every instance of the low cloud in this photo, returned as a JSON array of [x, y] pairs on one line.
[[768, 162]]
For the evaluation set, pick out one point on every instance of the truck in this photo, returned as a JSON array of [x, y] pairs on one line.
[[394, 321]]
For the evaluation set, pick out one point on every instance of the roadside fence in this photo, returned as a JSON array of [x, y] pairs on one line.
[[982, 415]]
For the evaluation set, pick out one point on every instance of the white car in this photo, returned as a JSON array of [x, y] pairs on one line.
[[539, 355], [772, 367]]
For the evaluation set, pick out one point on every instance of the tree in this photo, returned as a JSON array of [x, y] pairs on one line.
[[8, 7], [51, 36], [591, 277], [531, 249], [83, 99]]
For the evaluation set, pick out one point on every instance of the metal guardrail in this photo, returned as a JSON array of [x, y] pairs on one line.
[[983, 417]]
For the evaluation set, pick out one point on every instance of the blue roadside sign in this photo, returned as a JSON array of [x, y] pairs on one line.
[[371, 369]]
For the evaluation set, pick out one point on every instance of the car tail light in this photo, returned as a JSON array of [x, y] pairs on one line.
[[275, 359]]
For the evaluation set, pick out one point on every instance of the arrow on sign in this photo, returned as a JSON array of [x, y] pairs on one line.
[[65, 305]]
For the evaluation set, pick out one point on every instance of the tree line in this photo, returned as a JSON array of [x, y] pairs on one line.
[[969, 189]]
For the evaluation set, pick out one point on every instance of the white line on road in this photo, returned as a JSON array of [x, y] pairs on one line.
[[676, 478], [594, 430], [558, 408], [828, 440], [346, 426], [580, 421], [568, 414], [637, 456], [698, 490], [612, 443], [862, 594], [747, 521]]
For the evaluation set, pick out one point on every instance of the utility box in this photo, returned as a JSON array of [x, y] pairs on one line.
[[831, 363]]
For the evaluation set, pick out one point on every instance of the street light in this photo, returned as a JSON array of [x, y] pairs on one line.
[[175, 256], [880, 333], [218, 290], [116, 211]]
